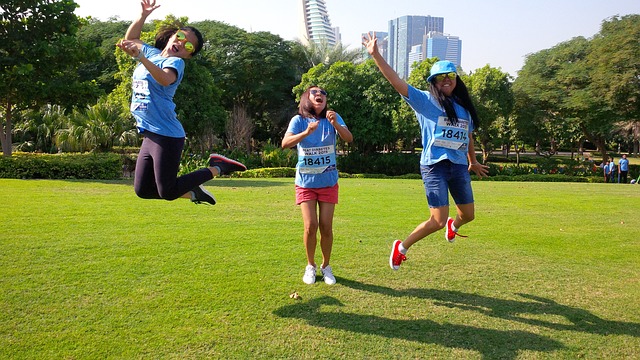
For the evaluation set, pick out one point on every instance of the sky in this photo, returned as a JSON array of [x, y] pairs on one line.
[[496, 32]]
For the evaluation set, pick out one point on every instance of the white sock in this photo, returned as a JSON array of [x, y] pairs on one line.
[[402, 249], [453, 227]]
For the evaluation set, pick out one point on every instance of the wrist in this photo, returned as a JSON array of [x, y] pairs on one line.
[[140, 55]]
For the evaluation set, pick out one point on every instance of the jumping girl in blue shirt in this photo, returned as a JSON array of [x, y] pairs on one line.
[[447, 119], [155, 81]]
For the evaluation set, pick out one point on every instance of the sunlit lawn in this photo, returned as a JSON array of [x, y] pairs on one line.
[[89, 271]]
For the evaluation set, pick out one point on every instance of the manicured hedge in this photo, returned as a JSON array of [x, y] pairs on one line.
[[110, 166], [103, 166]]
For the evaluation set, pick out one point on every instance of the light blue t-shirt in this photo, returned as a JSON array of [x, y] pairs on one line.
[[317, 167], [624, 164], [151, 103], [441, 139]]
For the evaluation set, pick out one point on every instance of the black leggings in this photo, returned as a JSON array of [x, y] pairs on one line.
[[157, 169]]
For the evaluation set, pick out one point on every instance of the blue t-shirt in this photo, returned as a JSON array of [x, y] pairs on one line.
[[624, 164], [151, 103], [441, 139], [316, 166]]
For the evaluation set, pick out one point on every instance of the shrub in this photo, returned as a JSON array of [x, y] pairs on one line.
[[96, 166], [390, 164], [279, 172]]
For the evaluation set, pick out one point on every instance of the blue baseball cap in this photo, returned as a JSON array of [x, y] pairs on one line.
[[441, 67]]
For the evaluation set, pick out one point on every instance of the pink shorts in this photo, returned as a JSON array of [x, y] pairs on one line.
[[326, 194]]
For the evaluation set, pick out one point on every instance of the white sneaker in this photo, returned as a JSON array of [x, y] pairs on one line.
[[327, 274], [309, 275]]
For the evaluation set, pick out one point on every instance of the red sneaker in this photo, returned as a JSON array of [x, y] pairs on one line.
[[226, 165], [449, 234], [396, 257]]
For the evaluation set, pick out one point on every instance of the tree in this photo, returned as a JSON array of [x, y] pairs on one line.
[[615, 60], [96, 128], [323, 53], [559, 82], [256, 72], [102, 36], [37, 130], [39, 58], [490, 89]]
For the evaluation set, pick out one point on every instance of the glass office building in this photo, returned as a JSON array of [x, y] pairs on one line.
[[316, 24], [405, 33]]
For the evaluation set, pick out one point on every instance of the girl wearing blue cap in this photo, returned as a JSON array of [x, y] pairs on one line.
[[447, 119]]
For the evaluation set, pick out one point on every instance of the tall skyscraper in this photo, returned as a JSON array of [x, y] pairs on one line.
[[442, 46], [316, 26], [406, 32]]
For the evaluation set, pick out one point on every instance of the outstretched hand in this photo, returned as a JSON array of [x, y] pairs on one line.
[[148, 6], [370, 42]]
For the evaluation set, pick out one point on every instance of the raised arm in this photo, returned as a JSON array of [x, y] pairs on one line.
[[371, 43], [132, 45], [135, 29]]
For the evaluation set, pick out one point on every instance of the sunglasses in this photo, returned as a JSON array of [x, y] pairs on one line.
[[314, 92], [441, 77], [181, 36]]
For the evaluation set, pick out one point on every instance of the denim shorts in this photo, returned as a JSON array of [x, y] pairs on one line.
[[445, 177]]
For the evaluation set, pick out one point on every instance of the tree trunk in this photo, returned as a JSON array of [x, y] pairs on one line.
[[5, 136], [239, 129]]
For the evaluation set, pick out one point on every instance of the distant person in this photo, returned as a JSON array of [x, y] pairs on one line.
[[607, 171], [623, 169], [612, 170], [155, 81], [447, 119], [314, 132]]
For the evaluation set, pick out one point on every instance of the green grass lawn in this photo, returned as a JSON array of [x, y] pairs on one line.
[[89, 271]]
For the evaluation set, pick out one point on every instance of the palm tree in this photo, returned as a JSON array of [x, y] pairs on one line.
[[39, 128], [97, 128], [323, 53]]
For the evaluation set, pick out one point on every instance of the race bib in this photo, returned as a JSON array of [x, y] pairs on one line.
[[317, 160], [452, 136]]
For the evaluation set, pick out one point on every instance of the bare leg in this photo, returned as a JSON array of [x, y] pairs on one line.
[[326, 231], [310, 219], [437, 221], [465, 214]]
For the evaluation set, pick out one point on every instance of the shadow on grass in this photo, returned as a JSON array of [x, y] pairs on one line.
[[504, 344], [575, 319], [488, 342]]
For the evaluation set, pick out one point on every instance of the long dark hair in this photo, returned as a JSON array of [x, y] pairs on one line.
[[306, 109], [163, 36], [460, 95]]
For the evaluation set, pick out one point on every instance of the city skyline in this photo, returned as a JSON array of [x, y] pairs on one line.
[[494, 32]]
